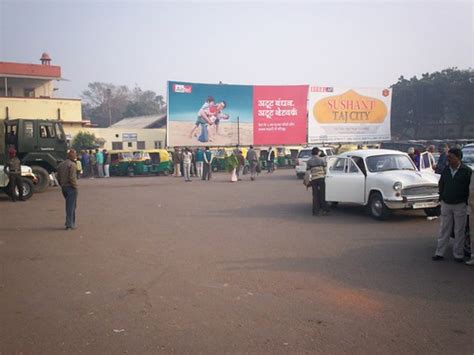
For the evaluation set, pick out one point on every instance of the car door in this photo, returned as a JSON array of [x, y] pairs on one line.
[[344, 181]]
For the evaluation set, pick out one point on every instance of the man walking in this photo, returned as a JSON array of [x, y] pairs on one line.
[[68, 181], [13, 170], [454, 195], [85, 163], [241, 165], [253, 162], [317, 166], [208, 158], [270, 160], [199, 162]]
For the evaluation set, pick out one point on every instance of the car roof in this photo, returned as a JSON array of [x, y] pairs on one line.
[[364, 153]]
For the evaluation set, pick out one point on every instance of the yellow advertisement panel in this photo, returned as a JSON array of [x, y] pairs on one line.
[[348, 114]]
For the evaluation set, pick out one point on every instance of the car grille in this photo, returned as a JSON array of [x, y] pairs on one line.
[[420, 191]]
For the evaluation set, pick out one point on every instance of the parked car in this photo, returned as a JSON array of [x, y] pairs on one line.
[[383, 181], [303, 157], [28, 179]]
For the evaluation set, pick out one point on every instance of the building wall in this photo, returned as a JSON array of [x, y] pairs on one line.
[[70, 109], [44, 89], [109, 135]]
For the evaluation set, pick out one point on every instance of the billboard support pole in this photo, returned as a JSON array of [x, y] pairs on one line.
[[238, 131]]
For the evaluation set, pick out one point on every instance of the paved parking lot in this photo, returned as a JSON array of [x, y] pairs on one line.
[[159, 265]]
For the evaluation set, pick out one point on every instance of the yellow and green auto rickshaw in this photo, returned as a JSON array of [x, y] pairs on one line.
[[160, 162], [120, 162]]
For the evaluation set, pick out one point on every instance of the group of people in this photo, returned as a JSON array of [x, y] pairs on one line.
[[198, 163], [93, 163]]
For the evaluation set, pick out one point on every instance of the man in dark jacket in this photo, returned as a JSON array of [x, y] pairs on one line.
[[68, 181], [317, 166], [454, 196], [443, 158], [13, 169]]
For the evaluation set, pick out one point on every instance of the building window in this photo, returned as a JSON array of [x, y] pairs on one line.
[[117, 145], [130, 144], [158, 144], [141, 145], [29, 92]]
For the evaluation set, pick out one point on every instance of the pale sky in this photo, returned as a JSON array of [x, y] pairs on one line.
[[146, 43]]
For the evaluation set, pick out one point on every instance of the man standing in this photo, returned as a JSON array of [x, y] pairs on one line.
[[85, 163], [317, 166], [13, 170], [176, 156], [454, 195], [92, 164], [208, 158], [443, 158], [68, 181], [187, 161], [253, 162], [99, 157], [270, 160], [106, 163], [471, 207], [199, 162]]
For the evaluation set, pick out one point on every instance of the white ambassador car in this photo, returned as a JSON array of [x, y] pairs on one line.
[[382, 180], [303, 157]]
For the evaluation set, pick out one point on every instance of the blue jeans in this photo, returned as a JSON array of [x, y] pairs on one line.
[[70, 194]]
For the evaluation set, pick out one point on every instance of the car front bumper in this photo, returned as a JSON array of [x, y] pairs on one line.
[[413, 202]]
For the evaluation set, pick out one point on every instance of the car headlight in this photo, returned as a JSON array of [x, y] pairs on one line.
[[397, 186]]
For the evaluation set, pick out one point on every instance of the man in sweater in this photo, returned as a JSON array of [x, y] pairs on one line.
[[317, 166], [454, 195], [68, 181]]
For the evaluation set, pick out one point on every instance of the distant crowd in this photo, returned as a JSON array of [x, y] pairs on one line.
[[93, 163]]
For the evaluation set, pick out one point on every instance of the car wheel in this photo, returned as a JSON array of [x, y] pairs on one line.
[[433, 212], [28, 188], [43, 178], [377, 207]]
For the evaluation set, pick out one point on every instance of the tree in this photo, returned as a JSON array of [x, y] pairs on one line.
[[439, 100], [84, 140], [104, 103]]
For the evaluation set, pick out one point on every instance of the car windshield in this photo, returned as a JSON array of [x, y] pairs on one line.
[[305, 154], [388, 162], [468, 159]]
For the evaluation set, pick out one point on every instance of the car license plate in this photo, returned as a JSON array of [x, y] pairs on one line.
[[423, 205]]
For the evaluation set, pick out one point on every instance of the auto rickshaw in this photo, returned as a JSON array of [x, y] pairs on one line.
[[120, 162], [160, 163]]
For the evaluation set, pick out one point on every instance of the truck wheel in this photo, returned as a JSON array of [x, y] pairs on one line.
[[28, 188], [43, 178], [433, 212], [377, 207]]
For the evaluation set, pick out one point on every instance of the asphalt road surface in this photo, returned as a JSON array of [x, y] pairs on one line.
[[160, 265]]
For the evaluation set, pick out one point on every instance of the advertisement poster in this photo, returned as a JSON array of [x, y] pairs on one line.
[[348, 114], [209, 114], [279, 115]]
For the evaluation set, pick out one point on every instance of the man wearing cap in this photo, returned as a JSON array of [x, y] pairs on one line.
[[13, 169], [68, 181]]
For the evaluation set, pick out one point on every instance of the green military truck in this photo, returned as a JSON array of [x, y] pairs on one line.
[[40, 144]]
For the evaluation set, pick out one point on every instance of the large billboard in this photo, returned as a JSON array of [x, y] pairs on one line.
[[279, 115], [226, 115], [337, 114], [209, 114]]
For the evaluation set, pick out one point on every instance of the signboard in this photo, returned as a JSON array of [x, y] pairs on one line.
[[348, 114], [129, 137], [209, 114], [279, 115]]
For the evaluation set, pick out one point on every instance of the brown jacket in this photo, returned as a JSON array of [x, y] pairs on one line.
[[13, 165], [67, 174]]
